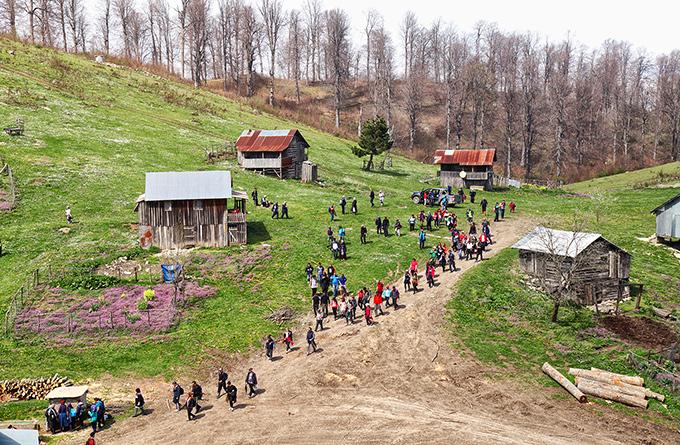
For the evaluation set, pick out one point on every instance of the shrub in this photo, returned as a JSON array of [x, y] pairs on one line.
[[149, 295], [142, 304]]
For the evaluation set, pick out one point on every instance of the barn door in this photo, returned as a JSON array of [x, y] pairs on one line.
[[189, 234]]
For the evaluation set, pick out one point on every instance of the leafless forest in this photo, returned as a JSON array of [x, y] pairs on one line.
[[554, 109]]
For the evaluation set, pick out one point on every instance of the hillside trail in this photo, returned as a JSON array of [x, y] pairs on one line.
[[397, 382]]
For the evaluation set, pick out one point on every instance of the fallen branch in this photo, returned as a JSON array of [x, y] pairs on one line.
[[564, 382]]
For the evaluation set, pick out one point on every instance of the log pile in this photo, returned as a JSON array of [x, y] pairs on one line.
[[28, 389], [625, 389]]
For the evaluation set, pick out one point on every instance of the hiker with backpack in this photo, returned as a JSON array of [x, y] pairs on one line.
[[177, 392], [288, 340], [331, 212]]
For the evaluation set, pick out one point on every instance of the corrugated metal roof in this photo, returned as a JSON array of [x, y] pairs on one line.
[[483, 157], [267, 140], [559, 242], [19, 437], [666, 205], [176, 186]]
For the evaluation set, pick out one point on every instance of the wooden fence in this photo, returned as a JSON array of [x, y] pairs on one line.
[[29, 292]]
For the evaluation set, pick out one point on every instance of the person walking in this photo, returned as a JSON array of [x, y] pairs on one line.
[[484, 203], [395, 297], [315, 303], [385, 226], [367, 315], [371, 197], [319, 321], [496, 212], [412, 223], [407, 280], [452, 260], [397, 227], [191, 404], [377, 302], [503, 209], [288, 340], [354, 206], [343, 203], [69, 217], [313, 284], [364, 232], [334, 308], [231, 395], [331, 212], [197, 391], [64, 424], [90, 440], [381, 197], [269, 347], [251, 383], [473, 193], [139, 403], [254, 196], [284, 210], [311, 343], [421, 239], [222, 378], [324, 303], [414, 281], [378, 225]]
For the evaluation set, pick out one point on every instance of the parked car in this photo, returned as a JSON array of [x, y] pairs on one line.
[[434, 197]]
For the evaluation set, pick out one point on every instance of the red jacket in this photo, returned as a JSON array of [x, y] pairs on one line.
[[377, 298], [380, 288]]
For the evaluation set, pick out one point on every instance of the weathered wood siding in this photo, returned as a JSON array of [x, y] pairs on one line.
[[180, 224], [600, 270]]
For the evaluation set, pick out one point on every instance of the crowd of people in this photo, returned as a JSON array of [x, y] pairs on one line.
[[70, 416]]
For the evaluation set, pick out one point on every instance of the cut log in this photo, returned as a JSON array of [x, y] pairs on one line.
[[662, 313], [564, 382], [631, 390], [610, 392], [627, 388], [605, 376]]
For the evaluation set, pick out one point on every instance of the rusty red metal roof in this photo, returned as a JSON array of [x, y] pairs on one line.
[[484, 157], [267, 140]]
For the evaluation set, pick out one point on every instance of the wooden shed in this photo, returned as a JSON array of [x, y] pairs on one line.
[[191, 209], [274, 152], [668, 219], [599, 269], [466, 168]]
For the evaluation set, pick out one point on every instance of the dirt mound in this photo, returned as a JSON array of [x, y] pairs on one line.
[[641, 330]]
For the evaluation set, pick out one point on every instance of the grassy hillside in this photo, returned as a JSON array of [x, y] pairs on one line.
[[501, 321], [660, 175], [92, 131]]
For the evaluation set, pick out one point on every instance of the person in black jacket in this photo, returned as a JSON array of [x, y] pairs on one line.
[[251, 383], [139, 403], [191, 404], [177, 392], [231, 395], [197, 391], [311, 344], [385, 226], [222, 377], [371, 196], [364, 232], [354, 206], [343, 204], [378, 225]]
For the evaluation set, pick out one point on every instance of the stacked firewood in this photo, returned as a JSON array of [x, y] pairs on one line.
[[625, 389], [27, 389]]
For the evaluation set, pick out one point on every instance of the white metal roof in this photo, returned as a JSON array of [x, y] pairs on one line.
[[19, 437], [176, 186], [558, 242], [67, 392]]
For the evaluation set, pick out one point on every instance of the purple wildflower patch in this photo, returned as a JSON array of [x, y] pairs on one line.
[[114, 310]]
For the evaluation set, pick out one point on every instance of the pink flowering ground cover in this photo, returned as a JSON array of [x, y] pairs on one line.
[[114, 310]]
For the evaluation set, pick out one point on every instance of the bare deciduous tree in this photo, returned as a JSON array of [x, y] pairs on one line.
[[273, 19], [249, 42], [338, 53], [294, 47], [104, 25], [8, 14]]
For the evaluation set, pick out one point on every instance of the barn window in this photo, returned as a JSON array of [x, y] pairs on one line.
[[613, 264], [198, 204], [167, 206]]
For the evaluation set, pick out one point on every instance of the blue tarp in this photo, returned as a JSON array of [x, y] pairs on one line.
[[171, 272]]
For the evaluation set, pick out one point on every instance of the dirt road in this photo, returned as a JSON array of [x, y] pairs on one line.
[[383, 385]]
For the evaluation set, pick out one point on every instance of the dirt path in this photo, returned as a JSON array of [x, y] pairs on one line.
[[382, 384]]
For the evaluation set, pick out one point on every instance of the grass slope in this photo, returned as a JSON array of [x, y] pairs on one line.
[[661, 174], [505, 324], [92, 132]]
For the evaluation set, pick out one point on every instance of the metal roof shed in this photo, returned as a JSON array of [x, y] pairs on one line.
[[668, 218], [180, 186]]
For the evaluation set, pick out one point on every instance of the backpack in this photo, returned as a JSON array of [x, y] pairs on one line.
[[181, 390]]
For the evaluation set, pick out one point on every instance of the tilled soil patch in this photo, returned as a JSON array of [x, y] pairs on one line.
[[641, 330]]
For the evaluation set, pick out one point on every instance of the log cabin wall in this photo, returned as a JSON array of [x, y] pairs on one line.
[[179, 224], [601, 268]]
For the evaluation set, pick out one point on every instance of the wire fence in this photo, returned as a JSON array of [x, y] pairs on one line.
[[41, 280]]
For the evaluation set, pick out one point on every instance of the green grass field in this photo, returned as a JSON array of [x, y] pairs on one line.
[[92, 131]]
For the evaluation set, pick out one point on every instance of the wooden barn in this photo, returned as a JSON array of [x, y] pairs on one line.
[[466, 168], [274, 152], [599, 269], [191, 209], [668, 219]]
